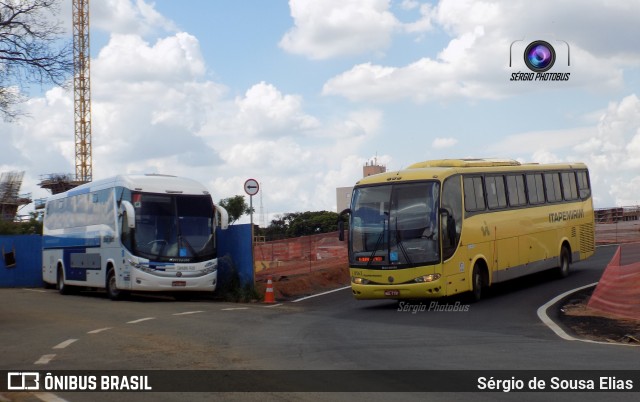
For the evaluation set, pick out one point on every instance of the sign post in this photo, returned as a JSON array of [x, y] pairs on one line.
[[251, 187]]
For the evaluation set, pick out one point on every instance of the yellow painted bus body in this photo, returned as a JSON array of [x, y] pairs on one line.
[[502, 243]]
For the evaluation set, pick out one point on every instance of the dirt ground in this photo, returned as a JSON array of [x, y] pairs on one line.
[[586, 323], [288, 287]]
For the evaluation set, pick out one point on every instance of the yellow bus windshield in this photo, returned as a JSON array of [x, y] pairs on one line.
[[395, 225]]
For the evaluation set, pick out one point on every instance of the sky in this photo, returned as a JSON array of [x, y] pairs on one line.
[[300, 95]]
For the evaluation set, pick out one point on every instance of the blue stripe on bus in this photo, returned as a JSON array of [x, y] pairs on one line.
[[51, 242], [73, 274]]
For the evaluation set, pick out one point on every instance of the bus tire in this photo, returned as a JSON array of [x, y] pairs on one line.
[[565, 262], [62, 288], [112, 289], [477, 283]]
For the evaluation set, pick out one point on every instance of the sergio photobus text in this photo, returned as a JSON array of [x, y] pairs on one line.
[[520, 76], [433, 306]]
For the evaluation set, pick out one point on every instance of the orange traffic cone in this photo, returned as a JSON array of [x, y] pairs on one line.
[[268, 293]]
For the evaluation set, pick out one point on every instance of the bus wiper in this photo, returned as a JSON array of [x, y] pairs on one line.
[[402, 248], [375, 248], [401, 245]]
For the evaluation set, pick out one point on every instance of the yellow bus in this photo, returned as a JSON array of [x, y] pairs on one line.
[[443, 227]]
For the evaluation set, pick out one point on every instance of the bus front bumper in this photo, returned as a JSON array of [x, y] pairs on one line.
[[430, 290], [142, 281]]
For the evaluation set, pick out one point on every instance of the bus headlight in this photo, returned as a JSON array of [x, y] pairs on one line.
[[141, 267], [359, 281], [427, 278], [211, 266]]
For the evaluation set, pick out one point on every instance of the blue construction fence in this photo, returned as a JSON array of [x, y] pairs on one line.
[[235, 255], [21, 260]]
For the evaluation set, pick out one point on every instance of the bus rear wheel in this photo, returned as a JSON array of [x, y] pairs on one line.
[[112, 289]]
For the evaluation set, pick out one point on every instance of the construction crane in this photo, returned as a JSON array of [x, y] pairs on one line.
[[59, 182], [82, 90]]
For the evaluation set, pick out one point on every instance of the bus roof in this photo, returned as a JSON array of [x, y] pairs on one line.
[[148, 183], [442, 168]]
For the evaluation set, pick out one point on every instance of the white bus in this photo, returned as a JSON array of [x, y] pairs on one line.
[[132, 233]]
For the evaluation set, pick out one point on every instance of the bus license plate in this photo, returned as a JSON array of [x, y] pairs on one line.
[[179, 283], [392, 293]]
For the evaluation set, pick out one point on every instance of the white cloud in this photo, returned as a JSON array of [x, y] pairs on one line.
[[264, 109], [475, 65], [441, 143], [424, 23], [277, 157], [127, 17], [420, 81], [156, 109], [131, 59], [153, 110], [331, 28], [545, 156], [524, 143], [611, 149], [625, 191]]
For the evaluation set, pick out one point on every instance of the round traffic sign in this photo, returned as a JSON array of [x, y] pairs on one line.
[[251, 187]]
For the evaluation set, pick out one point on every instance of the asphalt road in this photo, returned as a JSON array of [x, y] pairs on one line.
[[42, 330]]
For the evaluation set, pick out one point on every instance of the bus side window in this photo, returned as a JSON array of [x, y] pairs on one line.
[[473, 194], [452, 219], [569, 186], [535, 188], [583, 184], [496, 197], [516, 191], [552, 187]]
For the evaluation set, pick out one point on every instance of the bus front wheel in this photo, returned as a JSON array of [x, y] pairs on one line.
[[112, 289], [477, 283], [60, 285]]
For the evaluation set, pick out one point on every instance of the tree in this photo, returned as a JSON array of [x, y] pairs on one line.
[[295, 224], [236, 207], [31, 50], [32, 226]]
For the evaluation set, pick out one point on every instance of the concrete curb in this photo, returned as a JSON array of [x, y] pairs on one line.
[[544, 317]]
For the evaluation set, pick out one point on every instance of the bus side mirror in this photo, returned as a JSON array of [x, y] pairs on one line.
[[224, 216], [448, 228], [126, 207], [341, 223]]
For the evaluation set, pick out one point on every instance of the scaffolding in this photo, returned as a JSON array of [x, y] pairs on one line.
[[618, 214], [10, 198], [59, 182]]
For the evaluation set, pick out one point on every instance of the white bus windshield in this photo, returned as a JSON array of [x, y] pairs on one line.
[[395, 225], [174, 228]]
